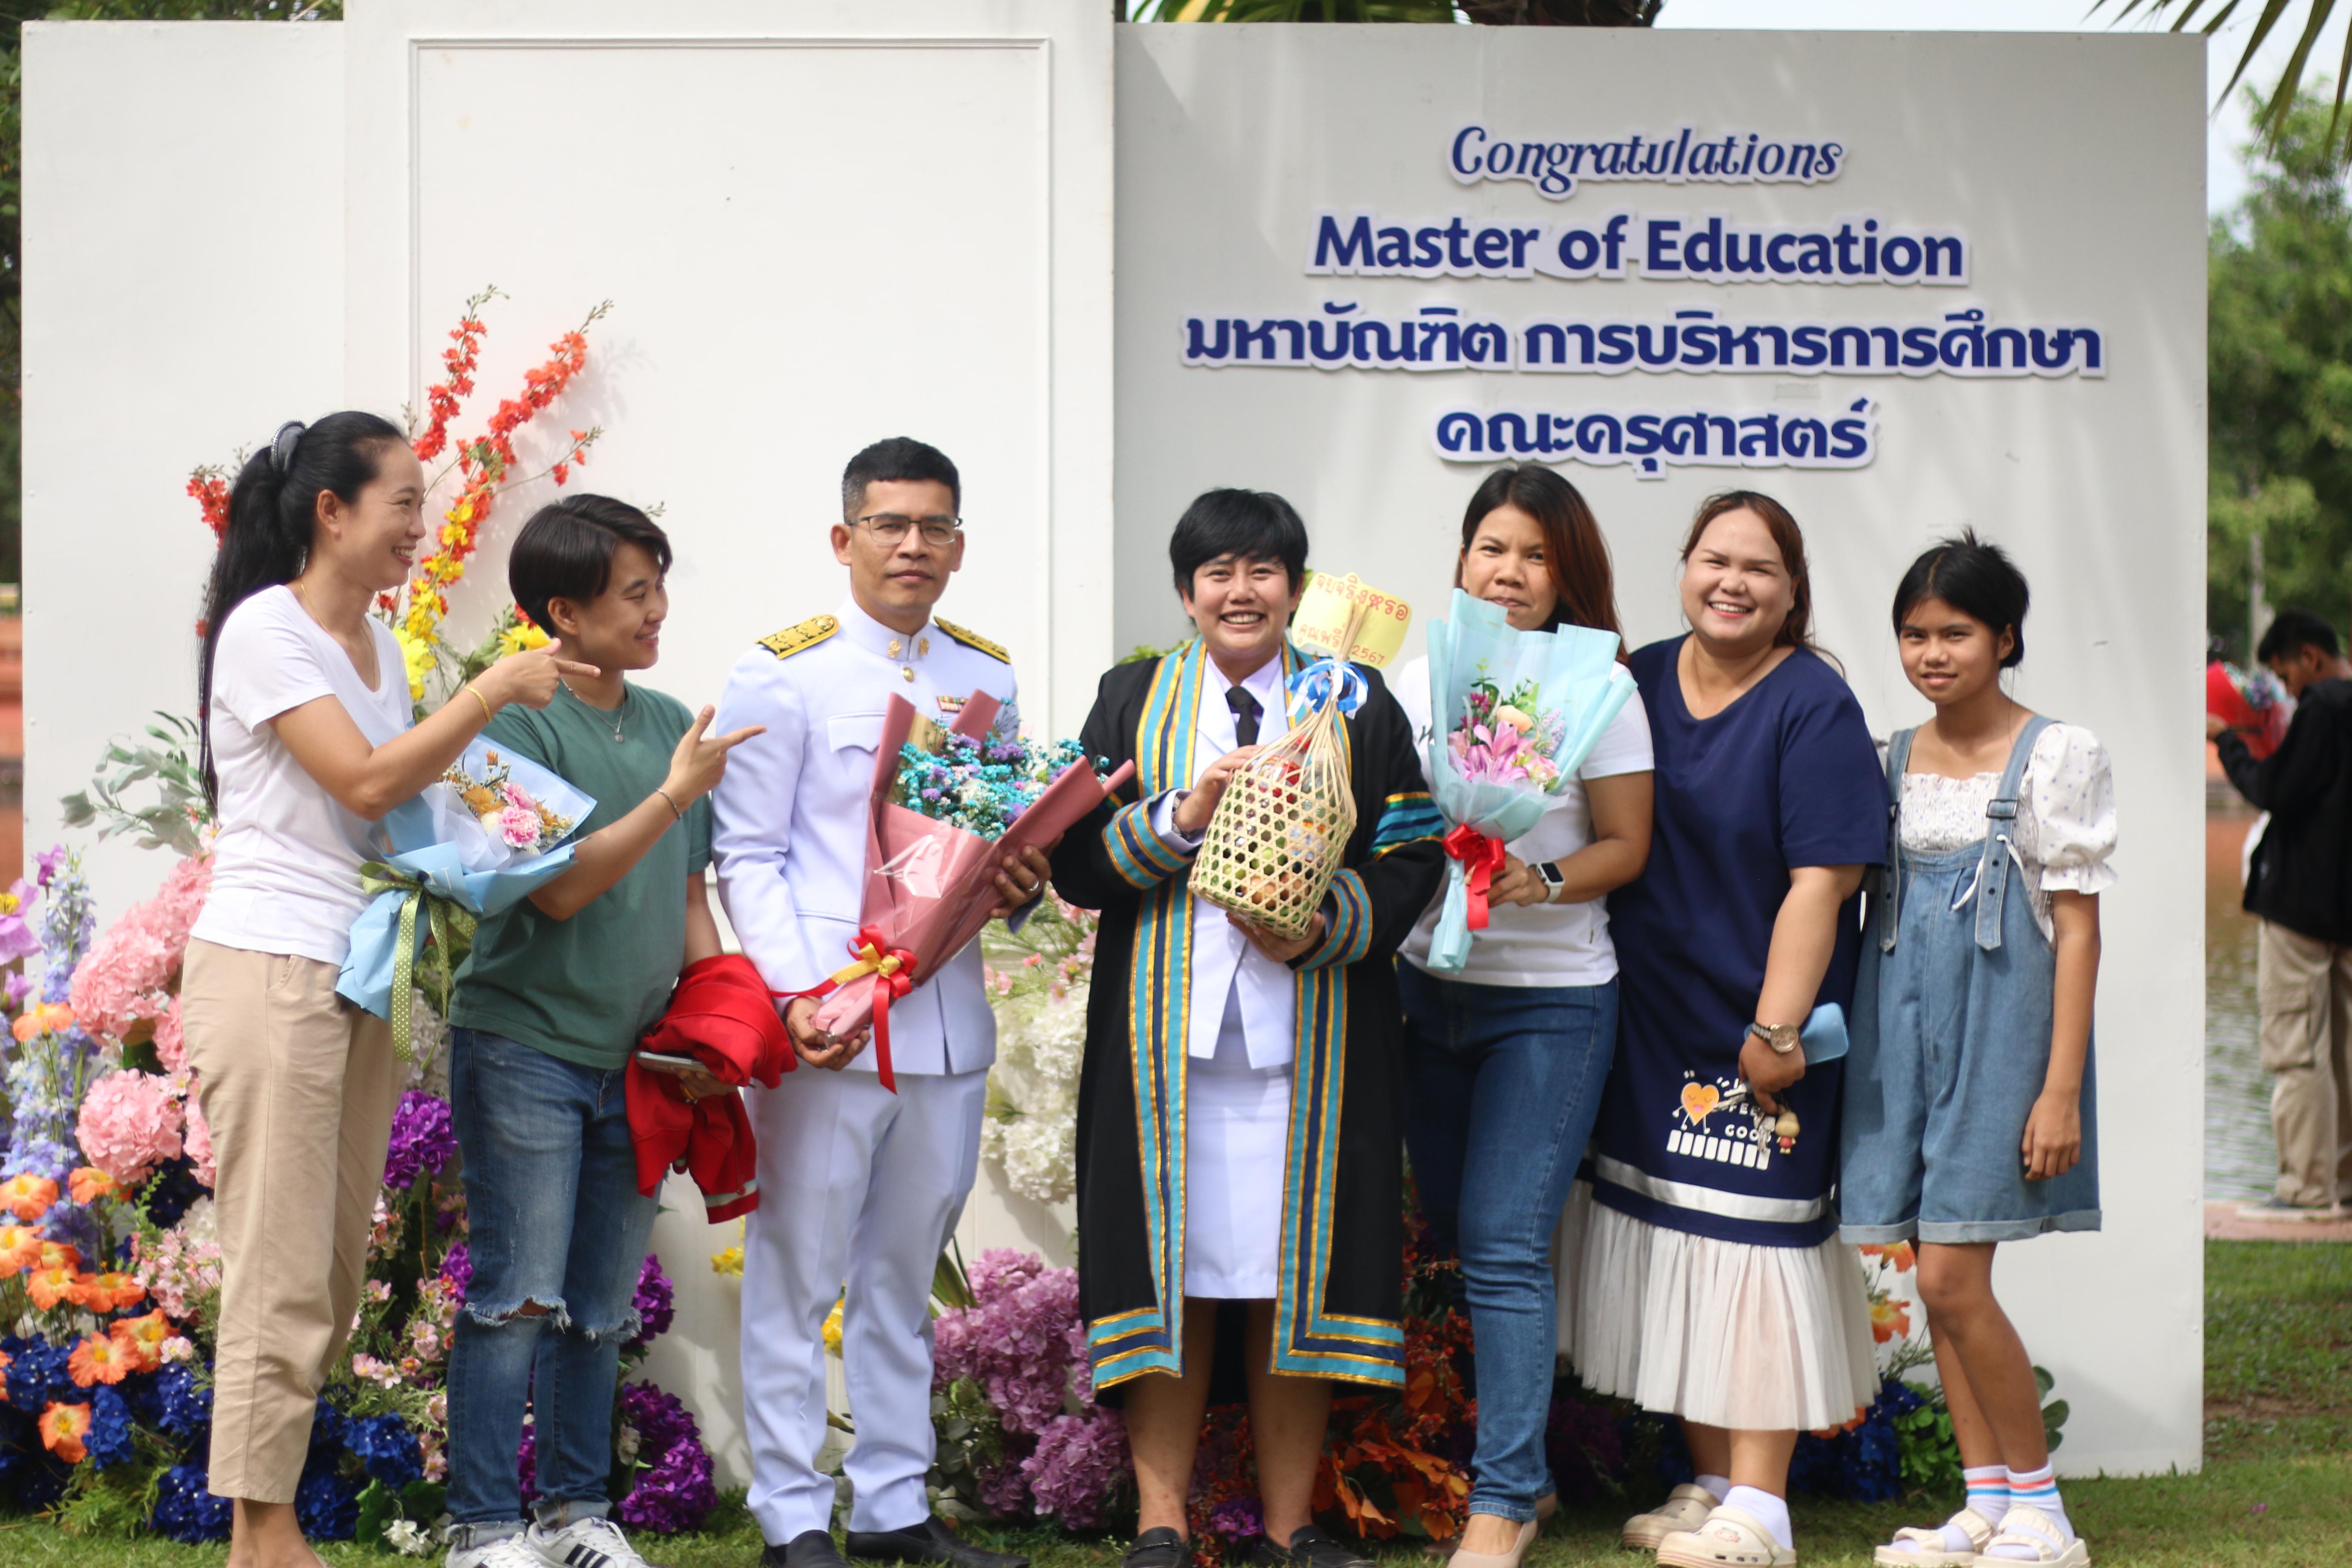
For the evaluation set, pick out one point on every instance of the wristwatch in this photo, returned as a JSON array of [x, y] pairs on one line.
[[1783, 1037], [1554, 880]]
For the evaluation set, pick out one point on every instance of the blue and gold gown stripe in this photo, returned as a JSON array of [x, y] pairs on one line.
[[1405, 818], [1137, 851], [1308, 1341], [1350, 933], [1163, 741]]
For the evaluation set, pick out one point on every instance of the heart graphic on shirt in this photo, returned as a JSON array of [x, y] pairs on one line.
[[1699, 1100]]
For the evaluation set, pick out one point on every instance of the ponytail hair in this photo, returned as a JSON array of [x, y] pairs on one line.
[[272, 509]]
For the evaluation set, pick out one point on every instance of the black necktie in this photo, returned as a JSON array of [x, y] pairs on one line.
[[1245, 712]]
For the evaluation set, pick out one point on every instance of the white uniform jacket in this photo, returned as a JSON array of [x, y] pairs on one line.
[[789, 834]]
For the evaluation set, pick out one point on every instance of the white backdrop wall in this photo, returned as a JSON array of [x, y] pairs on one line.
[[2073, 168]]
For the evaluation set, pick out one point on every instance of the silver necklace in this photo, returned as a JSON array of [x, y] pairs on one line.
[[619, 714]]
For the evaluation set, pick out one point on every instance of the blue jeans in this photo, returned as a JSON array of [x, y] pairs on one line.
[[1502, 1084], [556, 1218]]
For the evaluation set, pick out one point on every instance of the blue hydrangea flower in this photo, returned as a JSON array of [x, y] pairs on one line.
[[181, 1405], [325, 1505], [387, 1448], [186, 1512], [108, 1441], [36, 1374]]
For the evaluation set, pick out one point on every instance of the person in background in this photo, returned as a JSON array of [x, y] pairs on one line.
[[305, 742], [1504, 1061], [1969, 1115], [859, 1184], [550, 1005], [1712, 1284], [2300, 887], [1238, 1144]]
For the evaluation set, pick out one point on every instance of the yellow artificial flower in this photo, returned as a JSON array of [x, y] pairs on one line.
[[522, 637], [833, 1328], [728, 1261], [417, 655]]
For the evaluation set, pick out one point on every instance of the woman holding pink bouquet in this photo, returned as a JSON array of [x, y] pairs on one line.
[[1505, 1058]]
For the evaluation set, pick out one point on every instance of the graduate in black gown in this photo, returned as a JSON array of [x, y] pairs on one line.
[[1238, 1122]]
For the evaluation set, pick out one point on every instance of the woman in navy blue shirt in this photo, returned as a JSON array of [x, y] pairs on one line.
[[1712, 1284]]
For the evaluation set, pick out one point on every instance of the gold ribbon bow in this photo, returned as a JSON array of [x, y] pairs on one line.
[[451, 927]]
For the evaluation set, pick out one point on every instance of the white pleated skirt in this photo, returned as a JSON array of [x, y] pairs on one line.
[[1725, 1333], [1236, 1139]]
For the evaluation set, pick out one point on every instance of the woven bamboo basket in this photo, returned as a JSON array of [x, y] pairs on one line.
[[1282, 828]]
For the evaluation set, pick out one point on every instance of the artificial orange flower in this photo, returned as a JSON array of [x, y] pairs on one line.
[[20, 1248], [100, 1360], [1889, 1319], [1901, 1255], [6, 1361], [58, 1254], [105, 1292], [42, 1019], [27, 1196], [143, 1337], [89, 1183], [62, 1429], [51, 1285]]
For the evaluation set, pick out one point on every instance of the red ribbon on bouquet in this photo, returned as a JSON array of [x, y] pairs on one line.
[[1481, 857], [893, 969]]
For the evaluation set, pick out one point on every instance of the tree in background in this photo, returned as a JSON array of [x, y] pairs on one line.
[[1491, 13], [2279, 347], [13, 14]]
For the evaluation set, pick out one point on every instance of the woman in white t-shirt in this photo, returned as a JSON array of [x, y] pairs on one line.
[[304, 707], [1505, 1062]]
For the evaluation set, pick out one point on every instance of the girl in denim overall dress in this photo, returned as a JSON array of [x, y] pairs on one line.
[[1969, 1095]]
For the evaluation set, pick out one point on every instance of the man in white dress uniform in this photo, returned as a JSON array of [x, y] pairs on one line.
[[859, 1186]]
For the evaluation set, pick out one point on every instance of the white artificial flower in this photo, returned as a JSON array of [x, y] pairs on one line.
[[408, 1537]]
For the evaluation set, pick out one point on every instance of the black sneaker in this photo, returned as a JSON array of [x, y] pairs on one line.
[[1309, 1548], [1159, 1547], [930, 1541]]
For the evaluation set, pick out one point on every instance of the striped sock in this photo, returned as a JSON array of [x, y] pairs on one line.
[[1988, 1499], [2036, 1490]]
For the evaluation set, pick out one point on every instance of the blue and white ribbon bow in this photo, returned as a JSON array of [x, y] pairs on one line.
[[1311, 689]]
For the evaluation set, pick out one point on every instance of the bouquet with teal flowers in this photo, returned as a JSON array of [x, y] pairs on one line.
[[1513, 715], [981, 784]]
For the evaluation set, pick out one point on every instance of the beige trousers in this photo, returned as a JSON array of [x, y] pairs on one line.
[[2304, 987], [298, 1087]]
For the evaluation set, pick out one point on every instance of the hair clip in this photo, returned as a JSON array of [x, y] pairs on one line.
[[282, 445]]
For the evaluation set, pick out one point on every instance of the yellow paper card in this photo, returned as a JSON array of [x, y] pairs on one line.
[[1329, 601]]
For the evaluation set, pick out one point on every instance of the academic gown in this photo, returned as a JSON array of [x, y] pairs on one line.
[[1339, 1310]]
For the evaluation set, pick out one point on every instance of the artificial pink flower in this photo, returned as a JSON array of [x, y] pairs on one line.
[[130, 1123]]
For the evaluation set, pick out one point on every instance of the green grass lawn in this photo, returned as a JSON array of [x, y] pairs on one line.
[[2276, 1488]]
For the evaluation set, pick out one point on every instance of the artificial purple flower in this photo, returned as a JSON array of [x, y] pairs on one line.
[[1236, 1519], [655, 1303], [17, 939], [457, 1267], [1015, 1341], [422, 1139], [674, 1491], [48, 860], [1079, 1463], [20, 986]]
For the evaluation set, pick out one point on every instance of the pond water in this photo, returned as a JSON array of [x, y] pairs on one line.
[[2239, 1161]]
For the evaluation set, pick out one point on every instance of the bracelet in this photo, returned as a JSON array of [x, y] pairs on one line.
[[674, 810], [475, 692]]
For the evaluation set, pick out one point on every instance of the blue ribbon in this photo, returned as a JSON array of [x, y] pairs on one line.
[[1311, 689]]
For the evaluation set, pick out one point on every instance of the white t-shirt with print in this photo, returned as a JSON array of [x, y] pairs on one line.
[[1536, 944], [285, 862]]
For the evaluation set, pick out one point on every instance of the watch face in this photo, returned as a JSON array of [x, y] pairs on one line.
[[1551, 874]]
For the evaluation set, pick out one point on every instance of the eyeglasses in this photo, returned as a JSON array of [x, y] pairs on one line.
[[891, 527]]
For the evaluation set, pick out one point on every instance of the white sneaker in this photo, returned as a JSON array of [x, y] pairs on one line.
[[584, 1543], [506, 1551]]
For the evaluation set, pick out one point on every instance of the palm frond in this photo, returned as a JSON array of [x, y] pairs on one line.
[[2271, 119]]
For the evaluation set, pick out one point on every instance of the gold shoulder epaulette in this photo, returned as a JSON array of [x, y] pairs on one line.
[[805, 636], [974, 640]]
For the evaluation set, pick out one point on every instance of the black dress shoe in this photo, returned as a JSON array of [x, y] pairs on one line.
[[930, 1541], [1158, 1548], [1310, 1548], [808, 1549]]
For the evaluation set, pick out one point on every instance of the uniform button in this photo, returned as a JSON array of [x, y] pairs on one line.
[[906, 672]]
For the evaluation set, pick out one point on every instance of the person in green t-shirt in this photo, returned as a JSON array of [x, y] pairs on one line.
[[549, 1007]]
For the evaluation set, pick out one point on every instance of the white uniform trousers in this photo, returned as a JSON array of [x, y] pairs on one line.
[[857, 1187]]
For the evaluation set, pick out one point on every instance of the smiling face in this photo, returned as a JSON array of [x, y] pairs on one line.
[[374, 538], [1241, 604], [1506, 565], [1736, 593], [899, 583], [1949, 655], [620, 629]]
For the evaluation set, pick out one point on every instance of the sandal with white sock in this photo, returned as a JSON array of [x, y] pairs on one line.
[[2027, 1526], [1731, 1538], [1686, 1507], [1931, 1549]]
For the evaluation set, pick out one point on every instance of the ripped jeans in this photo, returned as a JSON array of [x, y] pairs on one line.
[[555, 1220]]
